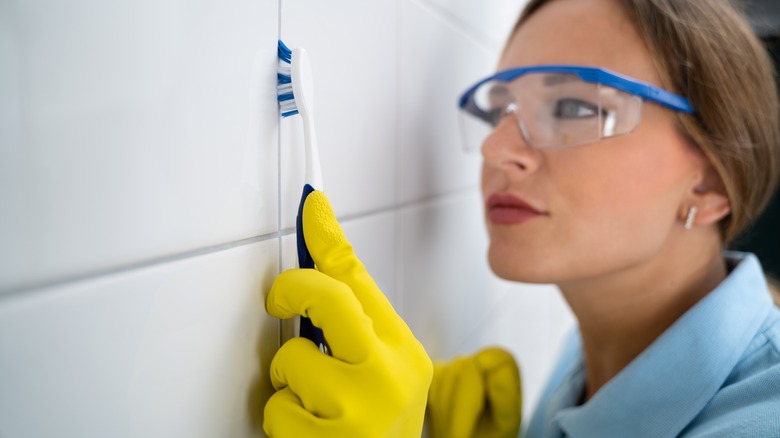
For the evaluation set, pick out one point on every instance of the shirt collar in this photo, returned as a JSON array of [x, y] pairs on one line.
[[669, 383]]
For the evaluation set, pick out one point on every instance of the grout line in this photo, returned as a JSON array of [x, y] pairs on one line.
[[398, 292], [399, 51], [135, 266], [464, 27], [124, 269], [421, 202], [279, 182]]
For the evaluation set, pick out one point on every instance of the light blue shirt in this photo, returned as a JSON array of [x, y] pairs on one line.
[[715, 372]]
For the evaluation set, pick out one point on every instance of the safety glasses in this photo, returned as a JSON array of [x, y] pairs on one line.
[[559, 105]]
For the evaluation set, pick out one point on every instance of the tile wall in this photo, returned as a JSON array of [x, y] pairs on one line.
[[149, 190]]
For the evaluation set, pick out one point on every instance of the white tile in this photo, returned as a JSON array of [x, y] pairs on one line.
[[353, 49], [438, 62], [137, 129], [373, 240], [176, 350], [530, 321], [446, 285], [492, 22]]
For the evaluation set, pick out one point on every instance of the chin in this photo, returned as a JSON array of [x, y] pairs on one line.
[[521, 269]]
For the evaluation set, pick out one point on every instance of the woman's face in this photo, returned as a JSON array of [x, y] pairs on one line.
[[605, 206]]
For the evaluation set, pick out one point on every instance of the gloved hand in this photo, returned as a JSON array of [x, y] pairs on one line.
[[376, 383], [475, 396]]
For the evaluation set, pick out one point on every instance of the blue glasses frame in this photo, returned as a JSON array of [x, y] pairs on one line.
[[646, 91]]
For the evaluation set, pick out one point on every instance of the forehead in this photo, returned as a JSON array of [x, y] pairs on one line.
[[582, 32]]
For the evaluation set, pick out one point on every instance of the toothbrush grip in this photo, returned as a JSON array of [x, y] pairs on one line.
[[307, 329]]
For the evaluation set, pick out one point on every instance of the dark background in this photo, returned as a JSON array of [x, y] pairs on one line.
[[763, 238]]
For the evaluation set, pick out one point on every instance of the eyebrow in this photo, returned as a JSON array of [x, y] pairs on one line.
[[498, 89], [555, 79]]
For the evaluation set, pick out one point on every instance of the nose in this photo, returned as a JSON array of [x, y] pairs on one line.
[[506, 148]]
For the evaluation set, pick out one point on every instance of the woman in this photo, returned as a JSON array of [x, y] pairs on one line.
[[628, 142]]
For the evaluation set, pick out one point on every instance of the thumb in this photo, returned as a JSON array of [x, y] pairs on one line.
[[456, 398], [503, 389], [333, 255]]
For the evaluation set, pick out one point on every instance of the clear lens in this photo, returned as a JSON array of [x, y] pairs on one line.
[[551, 110]]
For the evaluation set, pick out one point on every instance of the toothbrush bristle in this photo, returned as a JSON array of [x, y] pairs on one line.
[[284, 89], [285, 54]]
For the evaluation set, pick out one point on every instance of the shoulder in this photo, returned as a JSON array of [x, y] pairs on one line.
[[748, 401]]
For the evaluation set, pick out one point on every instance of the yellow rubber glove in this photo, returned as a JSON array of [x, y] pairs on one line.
[[376, 383], [475, 396]]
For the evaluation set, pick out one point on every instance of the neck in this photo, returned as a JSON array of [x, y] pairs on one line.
[[622, 313]]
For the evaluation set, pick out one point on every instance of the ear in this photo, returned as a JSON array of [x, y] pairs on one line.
[[708, 195]]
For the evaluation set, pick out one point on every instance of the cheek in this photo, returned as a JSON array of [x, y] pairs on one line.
[[625, 182], [619, 204]]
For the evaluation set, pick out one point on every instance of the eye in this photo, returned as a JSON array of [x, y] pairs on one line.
[[493, 117], [499, 104], [570, 108], [495, 114]]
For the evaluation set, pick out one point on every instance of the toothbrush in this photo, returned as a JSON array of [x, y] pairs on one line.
[[295, 95]]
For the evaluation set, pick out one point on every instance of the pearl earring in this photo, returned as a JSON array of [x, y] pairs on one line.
[[691, 217]]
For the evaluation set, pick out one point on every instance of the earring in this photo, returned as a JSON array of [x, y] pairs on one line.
[[691, 217]]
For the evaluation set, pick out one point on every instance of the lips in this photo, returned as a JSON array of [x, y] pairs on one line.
[[506, 209]]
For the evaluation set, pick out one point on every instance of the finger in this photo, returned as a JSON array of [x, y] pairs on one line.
[[314, 377], [285, 417], [331, 306], [457, 398], [469, 400], [439, 396], [333, 255], [503, 386]]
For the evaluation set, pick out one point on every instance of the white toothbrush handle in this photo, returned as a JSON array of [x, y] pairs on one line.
[[313, 175], [303, 89]]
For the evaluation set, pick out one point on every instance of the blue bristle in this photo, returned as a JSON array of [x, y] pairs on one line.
[[283, 79], [285, 54], [286, 98]]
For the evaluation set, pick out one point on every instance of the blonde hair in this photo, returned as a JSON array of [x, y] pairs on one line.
[[707, 51]]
